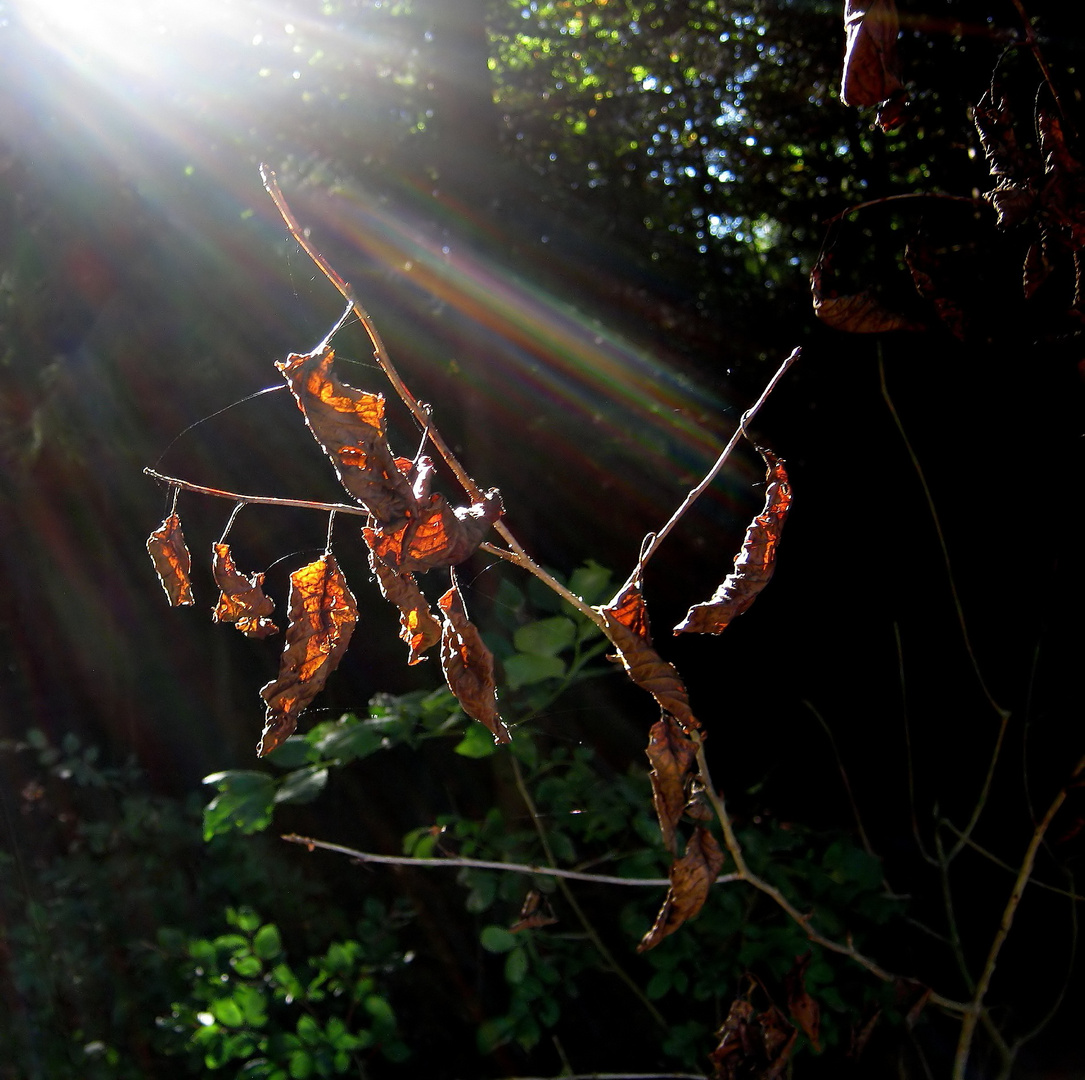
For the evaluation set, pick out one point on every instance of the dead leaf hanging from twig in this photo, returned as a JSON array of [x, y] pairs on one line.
[[691, 877], [469, 666], [172, 561], [871, 69], [323, 615], [754, 564], [242, 600], [672, 754]]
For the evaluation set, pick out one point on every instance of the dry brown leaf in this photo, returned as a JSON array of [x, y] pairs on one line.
[[803, 1008], [871, 69], [672, 754], [469, 666], [627, 627], [241, 600], [419, 627], [754, 564], [323, 615], [172, 561], [691, 877]]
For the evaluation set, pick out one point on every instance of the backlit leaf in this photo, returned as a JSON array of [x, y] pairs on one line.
[[871, 69], [754, 564], [242, 600], [469, 666], [672, 754], [172, 561], [419, 627], [323, 615]]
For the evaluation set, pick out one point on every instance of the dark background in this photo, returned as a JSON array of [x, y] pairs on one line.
[[587, 346]]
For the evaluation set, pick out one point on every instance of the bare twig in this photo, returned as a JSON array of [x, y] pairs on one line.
[[1024, 874], [486, 864], [725, 453]]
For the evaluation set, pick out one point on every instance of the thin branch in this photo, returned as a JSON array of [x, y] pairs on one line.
[[1034, 48], [1024, 874], [619, 1076], [261, 500], [486, 864], [909, 756], [697, 491]]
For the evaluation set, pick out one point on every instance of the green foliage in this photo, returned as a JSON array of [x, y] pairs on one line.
[[249, 1008]]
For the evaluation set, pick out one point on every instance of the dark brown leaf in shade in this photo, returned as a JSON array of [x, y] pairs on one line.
[[691, 877], [860, 1033], [241, 600], [349, 425], [419, 627], [535, 913], [323, 615], [172, 561], [857, 313], [754, 564], [871, 69], [925, 266], [672, 754], [437, 535], [752, 1045], [803, 1008], [469, 666], [627, 627]]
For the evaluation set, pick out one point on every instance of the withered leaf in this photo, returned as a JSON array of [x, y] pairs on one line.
[[172, 561], [871, 69], [672, 754], [627, 627], [323, 615], [754, 564], [803, 1008], [241, 600], [536, 912], [861, 312], [691, 877], [437, 535], [419, 627], [752, 1045], [469, 666], [349, 425]]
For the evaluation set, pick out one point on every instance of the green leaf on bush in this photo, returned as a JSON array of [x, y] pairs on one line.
[[302, 785], [244, 802], [497, 939], [516, 966], [227, 1011], [477, 742], [545, 637], [267, 944], [523, 669], [291, 754]]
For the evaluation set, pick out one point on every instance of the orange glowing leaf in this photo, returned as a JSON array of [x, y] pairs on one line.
[[627, 627], [418, 626], [469, 666], [691, 877], [672, 754], [172, 561], [242, 600], [754, 564], [323, 615], [349, 425]]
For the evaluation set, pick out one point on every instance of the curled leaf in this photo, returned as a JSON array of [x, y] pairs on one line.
[[172, 561], [419, 627], [752, 1045], [323, 615], [672, 754], [349, 425], [871, 69], [627, 627], [754, 564], [691, 877], [241, 600], [469, 666]]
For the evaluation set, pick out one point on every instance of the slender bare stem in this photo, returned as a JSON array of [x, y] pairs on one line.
[[1024, 873], [486, 864], [700, 488]]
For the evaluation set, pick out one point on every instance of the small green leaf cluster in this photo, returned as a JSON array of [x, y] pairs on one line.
[[249, 1005]]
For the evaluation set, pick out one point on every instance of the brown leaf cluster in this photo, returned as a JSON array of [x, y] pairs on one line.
[[415, 530], [172, 561], [754, 564], [323, 614], [468, 666], [241, 599], [753, 1045], [419, 627]]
